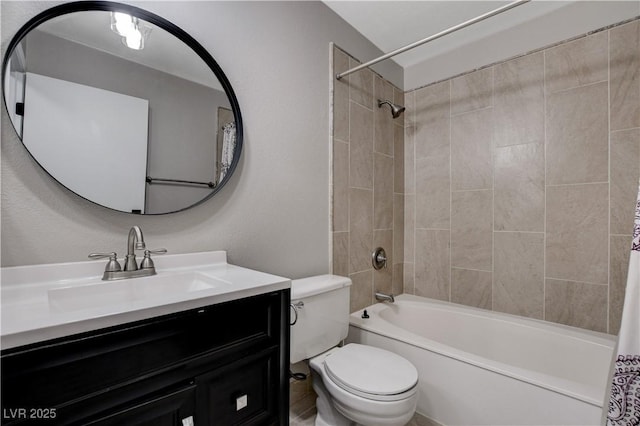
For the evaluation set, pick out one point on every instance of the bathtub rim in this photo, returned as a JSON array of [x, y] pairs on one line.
[[566, 387]]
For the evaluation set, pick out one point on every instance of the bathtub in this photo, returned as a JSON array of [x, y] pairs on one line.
[[478, 367]]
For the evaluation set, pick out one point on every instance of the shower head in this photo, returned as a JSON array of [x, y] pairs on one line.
[[396, 110]]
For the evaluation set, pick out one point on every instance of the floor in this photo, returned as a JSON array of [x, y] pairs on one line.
[[302, 403]]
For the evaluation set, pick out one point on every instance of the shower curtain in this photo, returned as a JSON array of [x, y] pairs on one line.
[[624, 401]]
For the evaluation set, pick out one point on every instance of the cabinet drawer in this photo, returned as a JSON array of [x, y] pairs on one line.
[[242, 393], [80, 366], [168, 409]]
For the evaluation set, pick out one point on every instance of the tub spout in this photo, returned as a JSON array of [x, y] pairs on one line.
[[384, 297]]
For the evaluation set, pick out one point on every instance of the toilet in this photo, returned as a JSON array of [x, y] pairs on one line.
[[355, 384]]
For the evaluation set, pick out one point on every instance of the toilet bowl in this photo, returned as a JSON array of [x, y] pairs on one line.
[[355, 384], [363, 385]]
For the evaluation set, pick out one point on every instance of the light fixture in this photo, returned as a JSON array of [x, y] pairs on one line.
[[133, 32], [122, 23]]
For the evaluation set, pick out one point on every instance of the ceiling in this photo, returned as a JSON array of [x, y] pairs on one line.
[[393, 24]]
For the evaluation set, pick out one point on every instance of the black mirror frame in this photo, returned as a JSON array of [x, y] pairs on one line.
[[108, 6]]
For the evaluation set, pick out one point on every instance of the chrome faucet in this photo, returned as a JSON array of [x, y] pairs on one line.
[[135, 241], [381, 297]]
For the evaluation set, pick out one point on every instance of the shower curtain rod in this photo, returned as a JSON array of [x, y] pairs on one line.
[[433, 37]]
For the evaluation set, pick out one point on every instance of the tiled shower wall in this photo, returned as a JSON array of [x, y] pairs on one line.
[[368, 181], [521, 180]]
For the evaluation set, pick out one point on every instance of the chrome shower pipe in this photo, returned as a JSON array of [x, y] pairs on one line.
[[433, 37]]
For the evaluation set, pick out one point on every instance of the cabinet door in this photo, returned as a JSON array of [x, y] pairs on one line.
[[244, 393], [170, 409]]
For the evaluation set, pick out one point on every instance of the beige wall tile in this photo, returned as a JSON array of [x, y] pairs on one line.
[[472, 91], [340, 97], [471, 143], [580, 62], [409, 161], [360, 229], [624, 45], [577, 233], [398, 228], [383, 278], [383, 135], [340, 186], [383, 192], [576, 304], [409, 227], [398, 96], [432, 111], [408, 281], [519, 187], [471, 288], [577, 136], [432, 267], [398, 279], [432, 192], [410, 111], [341, 253], [472, 230], [618, 269], [361, 147], [519, 100], [398, 159], [625, 173], [361, 85], [398, 99], [361, 290], [518, 281]]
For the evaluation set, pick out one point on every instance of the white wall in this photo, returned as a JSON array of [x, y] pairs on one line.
[[273, 214]]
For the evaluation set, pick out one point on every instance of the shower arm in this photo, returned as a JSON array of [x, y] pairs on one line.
[[433, 37]]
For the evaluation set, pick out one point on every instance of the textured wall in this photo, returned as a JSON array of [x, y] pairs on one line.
[[273, 214], [368, 201], [521, 180]]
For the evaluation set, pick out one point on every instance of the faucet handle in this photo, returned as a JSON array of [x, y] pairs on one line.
[[112, 265], [147, 263]]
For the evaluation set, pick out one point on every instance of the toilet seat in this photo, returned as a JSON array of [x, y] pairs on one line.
[[371, 373]]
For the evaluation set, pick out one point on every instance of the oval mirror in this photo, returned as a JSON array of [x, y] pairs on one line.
[[122, 107]]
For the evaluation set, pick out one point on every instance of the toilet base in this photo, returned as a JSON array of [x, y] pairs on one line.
[[326, 415], [329, 410]]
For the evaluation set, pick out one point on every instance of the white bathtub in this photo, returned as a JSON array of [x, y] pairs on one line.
[[478, 367]]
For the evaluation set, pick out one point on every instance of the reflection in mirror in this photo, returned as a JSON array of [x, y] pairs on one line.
[[125, 115]]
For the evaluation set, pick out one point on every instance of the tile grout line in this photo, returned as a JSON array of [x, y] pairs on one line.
[[607, 322], [624, 130], [556, 185], [450, 197], [581, 86], [493, 184], [544, 153], [415, 188], [471, 269]]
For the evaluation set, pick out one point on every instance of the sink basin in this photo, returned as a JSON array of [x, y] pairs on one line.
[[109, 293]]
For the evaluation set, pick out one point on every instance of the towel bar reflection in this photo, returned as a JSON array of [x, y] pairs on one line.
[[151, 180]]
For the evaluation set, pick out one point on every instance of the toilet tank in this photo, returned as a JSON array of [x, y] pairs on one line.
[[323, 321]]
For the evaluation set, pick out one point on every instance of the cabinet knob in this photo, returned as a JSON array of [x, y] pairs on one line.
[[241, 402]]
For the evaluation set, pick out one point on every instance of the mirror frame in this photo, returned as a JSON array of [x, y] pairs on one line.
[[108, 6]]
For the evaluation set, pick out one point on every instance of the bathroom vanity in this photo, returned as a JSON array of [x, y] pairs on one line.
[[209, 347]]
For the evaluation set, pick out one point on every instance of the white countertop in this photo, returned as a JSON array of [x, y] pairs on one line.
[[28, 314]]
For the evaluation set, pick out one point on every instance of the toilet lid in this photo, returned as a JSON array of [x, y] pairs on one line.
[[371, 371]]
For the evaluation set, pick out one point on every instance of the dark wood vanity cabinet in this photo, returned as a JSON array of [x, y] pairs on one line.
[[224, 364]]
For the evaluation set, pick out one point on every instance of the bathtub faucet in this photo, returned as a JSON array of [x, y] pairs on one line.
[[384, 297]]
